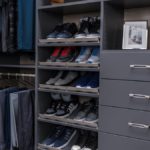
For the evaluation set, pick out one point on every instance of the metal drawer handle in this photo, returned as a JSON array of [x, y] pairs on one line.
[[137, 125], [139, 96], [140, 66]]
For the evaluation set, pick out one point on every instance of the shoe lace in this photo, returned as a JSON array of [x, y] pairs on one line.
[[63, 106], [67, 135], [70, 107], [59, 105], [57, 133]]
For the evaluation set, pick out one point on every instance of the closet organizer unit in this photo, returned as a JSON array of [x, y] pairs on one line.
[[47, 17], [124, 99]]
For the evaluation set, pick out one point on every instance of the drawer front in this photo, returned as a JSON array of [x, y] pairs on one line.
[[125, 65], [126, 122], [113, 142], [126, 94]]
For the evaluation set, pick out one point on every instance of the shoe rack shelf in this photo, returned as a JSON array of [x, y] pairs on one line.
[[69, 123], [93, 95], [48, 16], [68, 44]]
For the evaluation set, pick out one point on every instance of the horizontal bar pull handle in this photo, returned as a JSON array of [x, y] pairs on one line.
[[135, 66], [137, 125], [139, 96]]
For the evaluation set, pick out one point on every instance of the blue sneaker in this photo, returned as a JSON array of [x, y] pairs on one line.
[[55, 32], [83, 81], [69, 29], [57, 132], [64, 140], [85, 53], [94, 82], [94, 58]]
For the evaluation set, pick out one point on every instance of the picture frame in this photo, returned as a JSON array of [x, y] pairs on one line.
[[135, 35]]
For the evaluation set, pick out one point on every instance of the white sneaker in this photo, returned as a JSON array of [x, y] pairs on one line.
[[76, 147], [94, 58], [84, 55], [54, 79], [69, 77]]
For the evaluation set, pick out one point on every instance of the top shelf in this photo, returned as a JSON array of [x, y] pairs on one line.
[[73, 7], [131, 3]]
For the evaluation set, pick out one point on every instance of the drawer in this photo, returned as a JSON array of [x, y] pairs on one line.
[[126, 122], [114, 142], [127, 94], [125, 65]]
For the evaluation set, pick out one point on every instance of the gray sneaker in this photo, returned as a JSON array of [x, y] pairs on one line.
[[53, 79], [67, 78], [84, 110], [56, 96]]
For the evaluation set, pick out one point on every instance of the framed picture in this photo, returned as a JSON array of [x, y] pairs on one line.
[[135, 35]]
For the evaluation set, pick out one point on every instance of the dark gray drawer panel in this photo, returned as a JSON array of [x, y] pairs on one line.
[[125, 65], [113, 142], [125, 122], [127, 94]]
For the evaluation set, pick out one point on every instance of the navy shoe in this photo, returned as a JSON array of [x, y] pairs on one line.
[[52, 109], [55, 32], [65, 138], [69, 29], [67, 108], [94, 82], [83, 81], [56, 132]]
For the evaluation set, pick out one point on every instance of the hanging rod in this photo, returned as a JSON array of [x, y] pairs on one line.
[[18, 75]]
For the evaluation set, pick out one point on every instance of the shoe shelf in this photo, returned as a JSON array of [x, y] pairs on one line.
[[70, 40], [69, 66], [49, 16], [72, 7], [94, 95], [70, 88], [69, 44], [69, 123]]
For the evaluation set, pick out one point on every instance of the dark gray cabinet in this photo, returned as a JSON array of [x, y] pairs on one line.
[[126, 65], [126, 122], [115, 142], [125, 94]]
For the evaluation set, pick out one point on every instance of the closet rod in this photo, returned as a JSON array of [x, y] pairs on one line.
[[17, 74]]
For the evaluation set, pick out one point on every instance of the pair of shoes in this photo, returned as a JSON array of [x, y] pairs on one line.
[[89, 28], [87, 112], [62, 78], [90, 142], [60, 137], [63, 54], [88, 55], [67, 30], [89, 80], [62, 107]]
